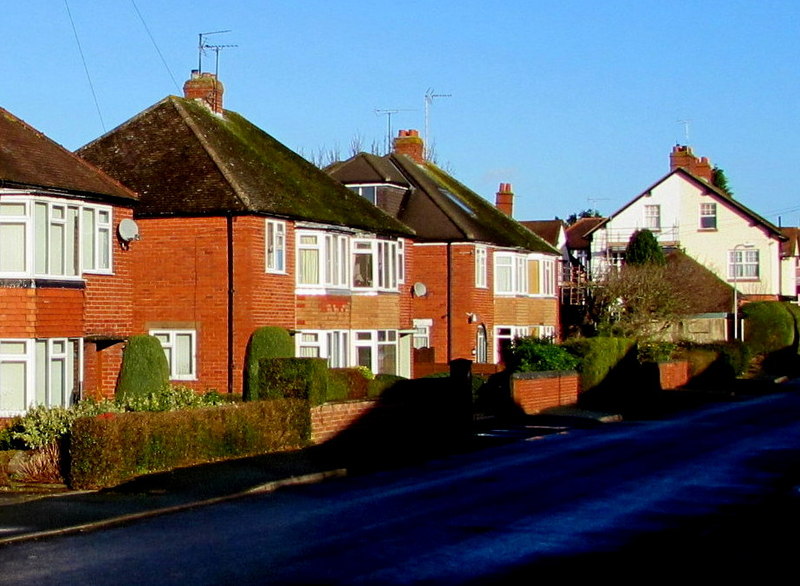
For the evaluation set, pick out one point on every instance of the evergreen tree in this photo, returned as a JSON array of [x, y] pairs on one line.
[[644, 249], [720, 181]]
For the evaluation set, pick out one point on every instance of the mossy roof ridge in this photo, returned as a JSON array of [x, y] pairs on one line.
[[495, 226], [187, 160], [30, 159]]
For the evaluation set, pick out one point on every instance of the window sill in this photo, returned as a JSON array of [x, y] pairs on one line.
[[39, 283], [707, 230]]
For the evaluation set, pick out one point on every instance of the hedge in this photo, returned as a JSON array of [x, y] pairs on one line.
[[293, 378], [598, 357], [109, 449], [266, 342], [770, 327], [144, 368]]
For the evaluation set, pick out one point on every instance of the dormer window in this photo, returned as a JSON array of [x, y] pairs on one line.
[[368, 192]]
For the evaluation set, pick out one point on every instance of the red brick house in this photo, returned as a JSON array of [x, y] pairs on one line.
[[65, 272], [479, 278], [239, 232]]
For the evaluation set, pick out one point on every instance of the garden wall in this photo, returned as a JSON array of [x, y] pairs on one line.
[[535, 391], [673, 375], [330, 419]]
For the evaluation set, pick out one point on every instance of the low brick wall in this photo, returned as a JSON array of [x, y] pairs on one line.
[[331, 418], [535, 391], [673, 374]]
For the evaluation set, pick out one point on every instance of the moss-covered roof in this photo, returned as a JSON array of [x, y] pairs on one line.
[[185, 160], [28, 159], [437, 206]]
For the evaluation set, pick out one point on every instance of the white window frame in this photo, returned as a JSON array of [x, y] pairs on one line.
[[333, 259], [744, 264], [401, 260], [510, 273], [40, 357], [367, 191], [510, 333], [170, 347], [81, 233], [375, 341], [547, 268], [334, 345], [481, 271], [422, 333], [652, 217], [708, 215], [383, 264], [275, 246]]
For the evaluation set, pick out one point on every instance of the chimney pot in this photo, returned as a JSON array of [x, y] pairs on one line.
[[504, 200], [409, 143]]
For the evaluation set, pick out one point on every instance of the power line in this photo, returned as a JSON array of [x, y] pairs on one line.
[[152, 40], [85, 67]]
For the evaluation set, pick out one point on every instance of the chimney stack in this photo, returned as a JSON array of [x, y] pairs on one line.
[[505, 199], [409, 143], [205, 87], [682, 156]]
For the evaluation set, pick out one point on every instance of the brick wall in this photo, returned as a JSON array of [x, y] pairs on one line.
[[330, 419], [536, 391], [673, 374]]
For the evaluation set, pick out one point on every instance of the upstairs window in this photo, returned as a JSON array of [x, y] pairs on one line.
[[480, 267], [652, 217], [708, 216], [368, 192], [510, 273], [743, 264], [52, 238], [375, 264], [276, 246]]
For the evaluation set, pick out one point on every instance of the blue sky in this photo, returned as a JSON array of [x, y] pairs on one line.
[[576, 103]]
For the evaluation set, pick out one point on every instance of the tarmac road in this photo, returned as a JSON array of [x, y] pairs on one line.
[[705, 493]]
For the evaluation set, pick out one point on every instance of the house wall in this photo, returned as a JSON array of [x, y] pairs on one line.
[[466, 300], [679, 201]]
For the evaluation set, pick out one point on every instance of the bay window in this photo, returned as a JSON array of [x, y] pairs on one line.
[[43, 237], [38, 372], [377, 350], [510, 273]]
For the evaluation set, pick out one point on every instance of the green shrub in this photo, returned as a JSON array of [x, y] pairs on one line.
[[170, 398], [716, 363], [380, 383], [144, 367], [266, 342], [654, 351], [769, 327], [598, 357], [111, 448], [347, 383], [294, 378], [539, 354]]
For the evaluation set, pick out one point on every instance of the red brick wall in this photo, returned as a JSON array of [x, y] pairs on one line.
[[673, 374], [534, 392], [109, 298], [332, 418]]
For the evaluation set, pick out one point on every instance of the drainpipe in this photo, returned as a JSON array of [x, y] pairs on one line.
[[449, 312], [229, 227]]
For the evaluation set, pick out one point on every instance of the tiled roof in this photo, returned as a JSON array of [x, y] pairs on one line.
[[705, 290], [29, 159], [549, 230], [576, 233], [791, 246], [437, 206], [185, 160]]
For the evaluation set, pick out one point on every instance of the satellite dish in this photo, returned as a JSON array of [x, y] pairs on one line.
[[128, 230], [419, 290]]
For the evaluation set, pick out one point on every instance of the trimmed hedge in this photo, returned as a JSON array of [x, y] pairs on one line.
[[770, 326], [715, 364], [598, 357], [293, 378], [109, 449], [266, 342], [144, 368]]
